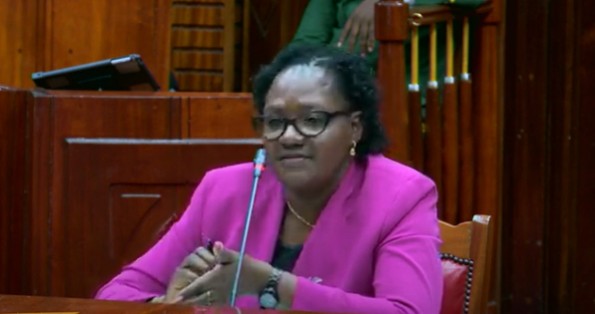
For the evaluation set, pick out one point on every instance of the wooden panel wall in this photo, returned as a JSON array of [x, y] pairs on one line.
[[19, 44], [210, 55], [548, 251], [206, 44], [45, 35], [85, 31]]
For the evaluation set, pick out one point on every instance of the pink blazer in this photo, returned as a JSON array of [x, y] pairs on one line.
[[375, 247]]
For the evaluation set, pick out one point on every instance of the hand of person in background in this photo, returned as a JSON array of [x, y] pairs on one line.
[[194, 265], [214, 287], [360, 27]]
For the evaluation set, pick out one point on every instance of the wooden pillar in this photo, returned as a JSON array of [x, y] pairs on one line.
[[391, 26]]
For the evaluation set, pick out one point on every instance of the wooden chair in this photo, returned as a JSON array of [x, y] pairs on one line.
[[466, 252]]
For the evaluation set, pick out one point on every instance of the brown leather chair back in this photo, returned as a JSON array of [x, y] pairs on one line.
[[466, 251]]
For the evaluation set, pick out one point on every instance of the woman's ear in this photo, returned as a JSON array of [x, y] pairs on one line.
[[357, 126]]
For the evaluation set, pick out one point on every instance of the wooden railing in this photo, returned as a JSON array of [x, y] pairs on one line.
[[453, 135], [451, 131]]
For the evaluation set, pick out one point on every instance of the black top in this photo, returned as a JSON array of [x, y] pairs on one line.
[[285, 256]]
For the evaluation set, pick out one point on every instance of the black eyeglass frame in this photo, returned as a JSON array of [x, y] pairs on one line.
[[258, 123]]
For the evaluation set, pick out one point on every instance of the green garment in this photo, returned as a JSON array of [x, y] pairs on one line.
[[323, 21]]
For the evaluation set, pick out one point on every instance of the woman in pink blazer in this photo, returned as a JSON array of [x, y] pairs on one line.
[[336, 226]]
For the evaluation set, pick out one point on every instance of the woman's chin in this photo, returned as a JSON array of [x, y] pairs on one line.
[[296, 179]]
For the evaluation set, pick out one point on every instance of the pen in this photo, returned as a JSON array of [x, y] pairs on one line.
[[210, 245]]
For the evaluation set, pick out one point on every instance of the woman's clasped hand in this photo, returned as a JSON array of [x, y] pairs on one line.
[[205, 277]]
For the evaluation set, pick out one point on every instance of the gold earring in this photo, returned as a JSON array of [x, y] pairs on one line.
[[352, 150]]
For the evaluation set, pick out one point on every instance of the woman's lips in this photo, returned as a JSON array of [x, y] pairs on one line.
[[293, 161]]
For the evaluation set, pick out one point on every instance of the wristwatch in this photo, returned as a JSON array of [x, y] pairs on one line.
[[269, 296]]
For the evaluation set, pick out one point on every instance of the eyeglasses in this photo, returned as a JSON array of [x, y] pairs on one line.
[[310, 125]]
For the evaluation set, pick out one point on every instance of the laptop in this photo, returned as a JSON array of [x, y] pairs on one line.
[[116, 74]]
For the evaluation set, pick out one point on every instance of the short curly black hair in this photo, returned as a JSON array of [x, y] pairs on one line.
[[354, 78]]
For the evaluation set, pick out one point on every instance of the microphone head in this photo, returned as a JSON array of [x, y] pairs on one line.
[[260, 157], [259, 160]]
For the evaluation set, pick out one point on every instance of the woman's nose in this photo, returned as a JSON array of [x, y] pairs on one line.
[[291, 136]]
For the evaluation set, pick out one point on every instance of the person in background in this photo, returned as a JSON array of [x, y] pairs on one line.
[[349, 24], [336, 227]]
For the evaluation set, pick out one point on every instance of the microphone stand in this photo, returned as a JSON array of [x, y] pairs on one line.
[[259, 160]]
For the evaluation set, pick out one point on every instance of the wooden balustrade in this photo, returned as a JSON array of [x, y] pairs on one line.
[[447, 135], [452, 129]]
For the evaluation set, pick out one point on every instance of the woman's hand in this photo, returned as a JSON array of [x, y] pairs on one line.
[[194, 265], [360, 25], [214, 287]]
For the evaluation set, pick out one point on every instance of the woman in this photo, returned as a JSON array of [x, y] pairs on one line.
[[336, 226]]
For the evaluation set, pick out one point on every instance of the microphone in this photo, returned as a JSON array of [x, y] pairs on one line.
[[259, 160]]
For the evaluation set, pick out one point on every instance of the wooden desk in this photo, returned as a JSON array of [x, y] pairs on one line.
[[46, 305], [145, 153]]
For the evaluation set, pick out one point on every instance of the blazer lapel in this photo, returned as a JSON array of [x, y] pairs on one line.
[[328, 228], [266, 218]]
